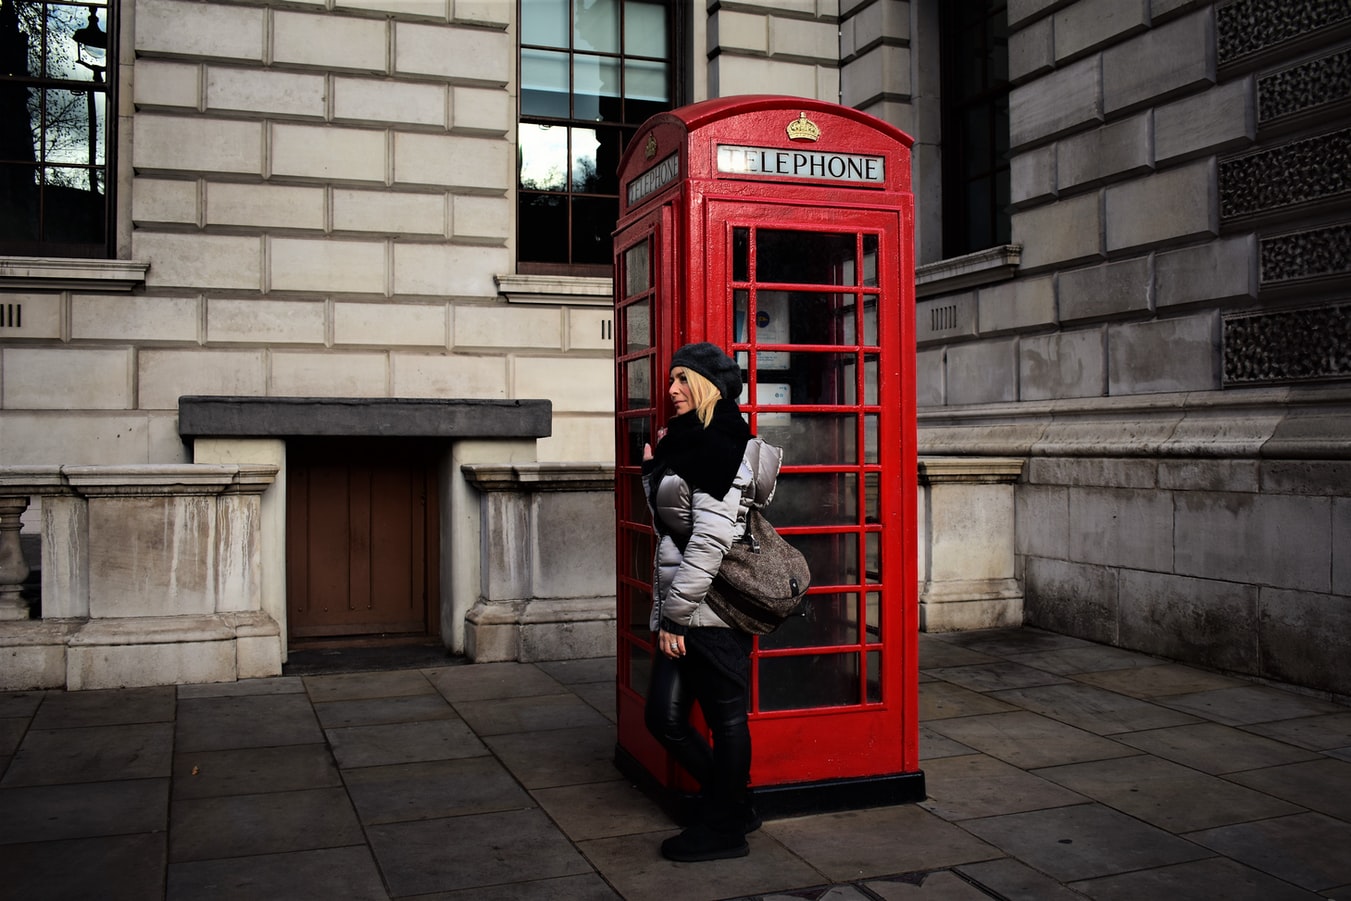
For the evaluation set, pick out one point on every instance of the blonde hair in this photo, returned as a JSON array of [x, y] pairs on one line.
[[703, 393]]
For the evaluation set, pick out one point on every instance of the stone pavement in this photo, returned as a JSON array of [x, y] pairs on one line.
[[1056, 769]]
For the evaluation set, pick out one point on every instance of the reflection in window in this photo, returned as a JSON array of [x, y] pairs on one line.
[[54, 127], [592, 71]]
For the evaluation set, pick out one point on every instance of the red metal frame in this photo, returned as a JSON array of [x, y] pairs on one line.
[[688, 212]]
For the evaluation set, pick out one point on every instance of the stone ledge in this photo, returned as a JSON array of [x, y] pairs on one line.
[[385, 417], [540, 476], [53, 274]]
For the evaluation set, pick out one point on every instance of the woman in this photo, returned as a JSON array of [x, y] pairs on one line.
[[706, 470]]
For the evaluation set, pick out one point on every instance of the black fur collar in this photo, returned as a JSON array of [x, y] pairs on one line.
[[707, 458]]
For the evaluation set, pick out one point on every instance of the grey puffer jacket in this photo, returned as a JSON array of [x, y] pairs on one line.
[[706, 526]]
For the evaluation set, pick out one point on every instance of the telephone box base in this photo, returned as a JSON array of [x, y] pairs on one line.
[[777, 801]]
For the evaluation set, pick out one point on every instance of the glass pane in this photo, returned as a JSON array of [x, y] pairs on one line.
[[632, 486], [870, 321], [741, 254], [872, 483], [640, 670], [544, 22], [637, 326], [644, 28], [595, 89], [870, 261], [870, 421], [72, 133], [542, 218], [814, 680], [593, 219], [640, 566], [73, 212], [638, 384], [638, 433], [637, 279], [814, 378], [873, 542], [544, 84], [811, 438], [77, 43], [542, 157], [833, 558], [820, 499], [596, 25], [873, 622], [874, 677], [815, 258], [828, 620], [595, 160], [646, 80], [19, 188]]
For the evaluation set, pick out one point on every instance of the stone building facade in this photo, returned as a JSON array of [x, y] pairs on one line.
[[317, 202]]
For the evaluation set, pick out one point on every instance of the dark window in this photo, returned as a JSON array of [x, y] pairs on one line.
[[592, 71], [55, 129], [975, 90]]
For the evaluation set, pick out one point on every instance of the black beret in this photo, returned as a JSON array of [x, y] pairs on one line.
[[712, 363]]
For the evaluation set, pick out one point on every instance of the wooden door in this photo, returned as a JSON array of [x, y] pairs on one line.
[[362, 538]]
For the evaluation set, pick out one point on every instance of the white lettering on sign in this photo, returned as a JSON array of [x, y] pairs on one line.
[[773, 161], [654, 179]]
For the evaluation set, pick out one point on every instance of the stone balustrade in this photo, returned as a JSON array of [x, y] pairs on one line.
[[150, 575]]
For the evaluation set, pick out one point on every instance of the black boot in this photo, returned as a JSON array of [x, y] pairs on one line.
[[701, 842]]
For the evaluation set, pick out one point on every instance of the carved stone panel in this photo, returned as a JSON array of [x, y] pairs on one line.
[[1288, 346]]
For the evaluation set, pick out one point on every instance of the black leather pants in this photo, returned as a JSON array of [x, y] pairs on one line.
[[723, 771]]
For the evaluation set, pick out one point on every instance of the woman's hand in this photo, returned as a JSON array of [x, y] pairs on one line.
[[672, 646], [647, 452]]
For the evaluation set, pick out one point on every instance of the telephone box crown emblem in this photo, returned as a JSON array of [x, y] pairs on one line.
[[803, 129], [650, 148]]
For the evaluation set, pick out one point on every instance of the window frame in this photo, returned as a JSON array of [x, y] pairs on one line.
[[674, 12], [103, 80]]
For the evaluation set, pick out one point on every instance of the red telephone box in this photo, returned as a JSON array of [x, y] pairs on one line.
[[781, 229]]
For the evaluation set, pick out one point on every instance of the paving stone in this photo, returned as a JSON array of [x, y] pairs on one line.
[[576, 672], [943, 885], [21, 703], [1008, 642], [1201, 880], [480, 850], [12, 730], [92, 754], [319, 875], [71, 709], [249, 771], [634, 866], [258, 721], [995, 676], [354, 686], [391, 743], [601, 810], [1094, 709], [374, 711], [1071, 661], [859, 844], [1325, 732], [1149, 789], [568, 757], [1250, 704], [934, 745], [1015, 881], [1213, 748], [961, 788], [600, 696], [1294, 848], [529, 714], [272, 685], [439, 788], [54, 812], [244, 825], [938, 700], [936, 653], [109, 868], [1322, 785], [586, 887], [1029, 740], [1073, 843], [492, 680], [1155, 681]]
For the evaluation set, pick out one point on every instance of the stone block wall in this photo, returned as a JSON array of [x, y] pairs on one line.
[[321, 202]]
